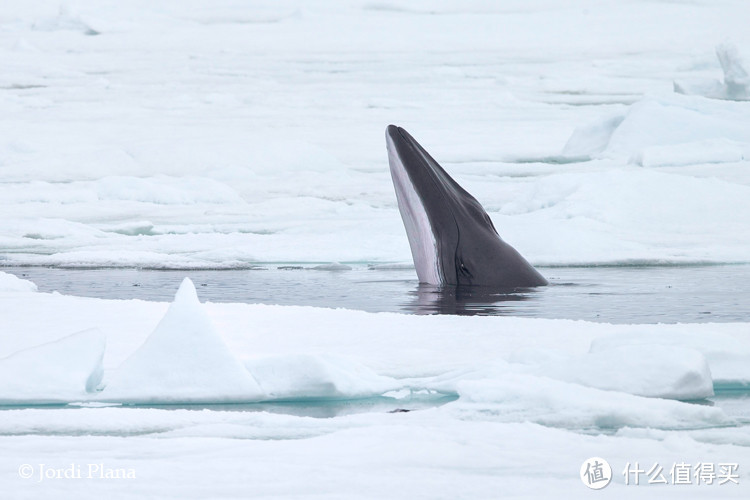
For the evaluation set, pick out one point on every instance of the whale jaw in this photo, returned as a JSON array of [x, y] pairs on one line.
[[419, 231]]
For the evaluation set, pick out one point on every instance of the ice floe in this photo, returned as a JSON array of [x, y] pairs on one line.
[[69, 369], [186, 359], [307, 376], [668, 130], [12, 283], [555, 403], [727, 355], [653, 370]]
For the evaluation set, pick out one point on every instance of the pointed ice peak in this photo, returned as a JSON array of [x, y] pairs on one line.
[[183, 360], [736, 84], [186, 294], [736, 79]]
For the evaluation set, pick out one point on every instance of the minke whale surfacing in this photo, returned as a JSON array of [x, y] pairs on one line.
[[452, 239]]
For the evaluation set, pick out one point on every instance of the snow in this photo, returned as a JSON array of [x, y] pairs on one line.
[[333, 266], [60, 371], [353, 353], [12, 283], [342, 353], [671, 120], [529, 391], [727, 355], [223, 134], [184, 360], [298, 377], [559, 404], [736, 84], [653, 370]]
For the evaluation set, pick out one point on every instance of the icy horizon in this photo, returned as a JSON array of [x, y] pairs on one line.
[[183, 136]]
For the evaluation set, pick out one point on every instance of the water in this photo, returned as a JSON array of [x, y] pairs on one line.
[[624, 294]]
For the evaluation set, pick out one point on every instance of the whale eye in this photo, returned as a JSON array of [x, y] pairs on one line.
[[463, 273], [464, 270]]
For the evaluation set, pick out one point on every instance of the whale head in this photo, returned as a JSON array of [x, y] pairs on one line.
[[452, 239]]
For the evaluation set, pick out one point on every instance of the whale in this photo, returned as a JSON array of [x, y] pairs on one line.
[[451, 237]]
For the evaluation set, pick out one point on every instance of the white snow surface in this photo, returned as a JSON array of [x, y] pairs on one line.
[[298, 377], [735, 85], [218, 134], [526, 389], [12, 283], [198, 134], [185, 360], [682, 373], [56, 372]]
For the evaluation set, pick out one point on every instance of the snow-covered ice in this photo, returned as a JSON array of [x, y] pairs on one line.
[[185, 360], [57, 372], [649, 369], [305, 376], [195, 134], [12, 283], [736, 83], [547, 385], [219, 135], [182, 361]]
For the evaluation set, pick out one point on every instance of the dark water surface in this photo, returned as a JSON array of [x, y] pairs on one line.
[[624, 294]]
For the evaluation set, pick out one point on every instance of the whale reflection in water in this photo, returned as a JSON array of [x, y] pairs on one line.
[[469, 300]]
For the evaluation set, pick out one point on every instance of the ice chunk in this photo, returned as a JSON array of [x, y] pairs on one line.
[[736, 84], [183, 360], [706, 88], [12, 283], [391, 266], [593, 138], [671, 372], [64, 370], [308, 376], [676, 130], [65, 20], [333, 266], [526, 398], [653, 122], [691, 153], [736, 79], [133, 228], [727, 356], [657, 371]]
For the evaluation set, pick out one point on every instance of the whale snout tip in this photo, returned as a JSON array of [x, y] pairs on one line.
[[396, 134]]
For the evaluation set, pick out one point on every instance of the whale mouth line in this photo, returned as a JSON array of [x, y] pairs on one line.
[[419, 230]]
